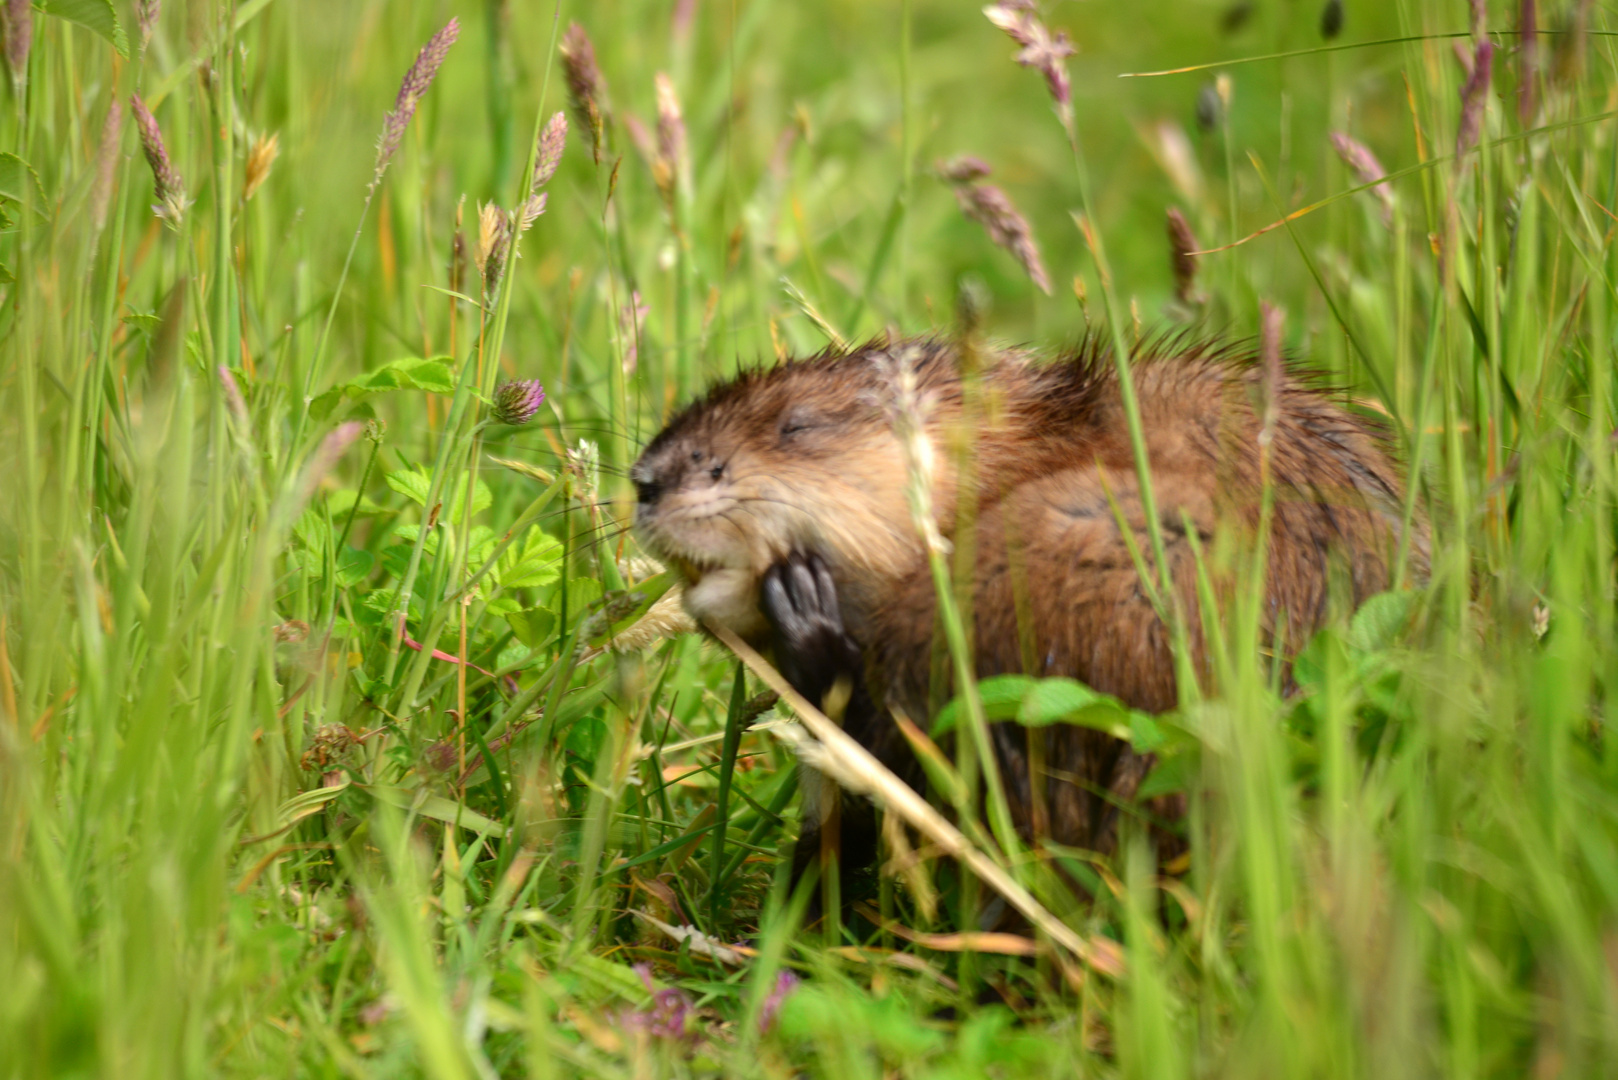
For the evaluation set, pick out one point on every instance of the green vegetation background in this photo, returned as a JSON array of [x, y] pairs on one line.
[[251, 824]]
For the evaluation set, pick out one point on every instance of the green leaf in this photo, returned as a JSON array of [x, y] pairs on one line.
[[97, 15], [1379, 620], [354, 566], [413, 484], [411, 373], [538, 562], [19, 182], [532, 627], [434, 806], [1001, 696]]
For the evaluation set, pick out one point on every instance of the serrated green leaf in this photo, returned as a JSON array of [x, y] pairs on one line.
[[532, 627], [354, 566], [19, 182], [97, 15], [538, 562], [432, 374], [1050, 700], [1001, 695], [413, 484], [1379, 620]]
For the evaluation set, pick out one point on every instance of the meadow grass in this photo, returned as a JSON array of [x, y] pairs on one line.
[[315, 758]]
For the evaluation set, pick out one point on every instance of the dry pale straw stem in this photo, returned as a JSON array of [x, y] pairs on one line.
[[1364, 164], [992, 208], [170, 187], [587, 90], [415, 84]]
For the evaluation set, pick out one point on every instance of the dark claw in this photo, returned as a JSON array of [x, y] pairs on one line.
[[812, 648]]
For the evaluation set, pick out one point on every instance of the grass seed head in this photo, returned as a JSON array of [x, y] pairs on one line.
[[146, 13], [1041, 49], [669, 167], [494, 240], [415, 84], [993, 209], [264, 151], [1528, 62], [1182, 242], [552, 142], [1364, 165], [170, 187], [585, 86], [1474, 98], [19, 26], [112, 130]]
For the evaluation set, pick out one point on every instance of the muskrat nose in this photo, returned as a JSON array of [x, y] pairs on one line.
[[648, 491]]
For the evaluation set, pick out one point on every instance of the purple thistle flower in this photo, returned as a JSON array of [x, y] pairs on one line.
[[1474, 96], [415, 84], [19, 15], [785, 983], [516, 402], [1040, 48], [1358, 157], [170, 187]]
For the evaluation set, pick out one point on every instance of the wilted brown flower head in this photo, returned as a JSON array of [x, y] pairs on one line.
[[260, 157], [1182, 242], [1474, 97], [170, 188], [992, 208], [1041, 49], [586, 88], [415, 84]]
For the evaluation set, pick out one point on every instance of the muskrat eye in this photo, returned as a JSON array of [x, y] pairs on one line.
[[795, 421]]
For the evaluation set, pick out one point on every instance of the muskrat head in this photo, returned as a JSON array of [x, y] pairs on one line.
[[799, 458]]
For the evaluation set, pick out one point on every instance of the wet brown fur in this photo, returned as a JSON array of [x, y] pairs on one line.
[[807, 461]]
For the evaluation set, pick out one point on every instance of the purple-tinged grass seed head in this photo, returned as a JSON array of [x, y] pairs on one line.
[[963, 169], [516, 402], [19, 16], [1042, 50], [552, 142], [993, 209], [169, 186], [1527, 62], [112, 130], [1182, 242], [586, 88], [415, 84], [670, 165], [1365, 166], [1474, 98]]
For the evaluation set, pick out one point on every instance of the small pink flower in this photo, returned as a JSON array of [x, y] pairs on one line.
[[516, 402]]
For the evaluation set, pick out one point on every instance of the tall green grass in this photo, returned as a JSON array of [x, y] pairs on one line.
[[251, 823]]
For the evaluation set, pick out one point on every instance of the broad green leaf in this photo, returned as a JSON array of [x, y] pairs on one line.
[[306, 803], [341, 502], [538, 562], [1001, 696], [19, 182], [97, 15], [532, 627], [1050, 700], [413, 484], [411, 373], [1379, 620], [354, 566]]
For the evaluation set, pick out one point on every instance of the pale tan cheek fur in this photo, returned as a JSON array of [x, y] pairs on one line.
[[729, 598]]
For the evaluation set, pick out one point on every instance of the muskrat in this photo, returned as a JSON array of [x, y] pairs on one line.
[[781, 498]]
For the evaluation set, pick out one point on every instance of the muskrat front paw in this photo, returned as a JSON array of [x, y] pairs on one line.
[[812, 647]]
